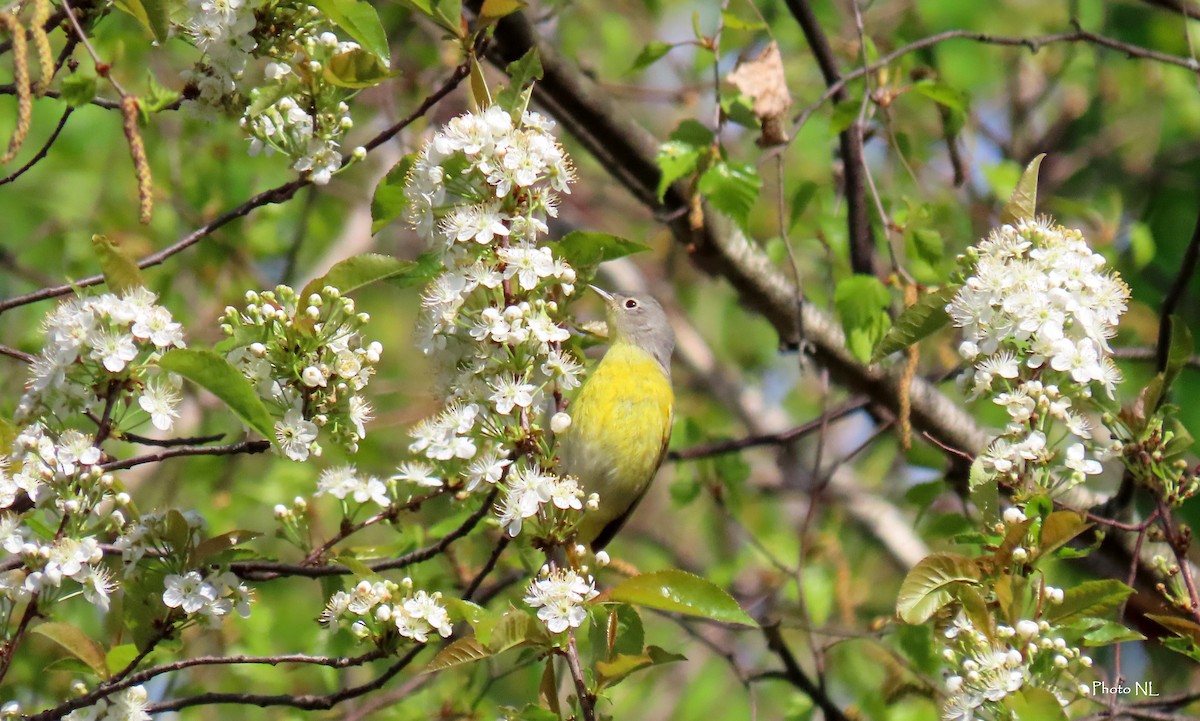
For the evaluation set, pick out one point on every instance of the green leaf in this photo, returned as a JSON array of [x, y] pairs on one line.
[[1023, 202], [1141, 244], [78, 89], [356, 69], [931, 583], [460, 652], [210, 547], [361, 23], [654, 51], [522, 74], [927, 244], [1184, 646], [1110, 632], [675, 160], [800, 200], [152, 14], [1180, 626], [918, 321], [916, 641], [733, 22], [493, 10], [1180, 350], [77, 643], [360, 271], [389, 201], [731, 188], [585, 250], [214, 374], [118, 658], [1059, 528], [515, 628], [943, 94], [610, 673], [623, 632], [156, 97], [678, 592], [844, 115], [693, 132], [120, 272], [1034, 704], [984, 491], [1090, 598], [862, 302], [472, 613]]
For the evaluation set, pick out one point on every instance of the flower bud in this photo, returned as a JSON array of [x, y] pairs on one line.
[[1013, 516], [560, 422], [602, 559]]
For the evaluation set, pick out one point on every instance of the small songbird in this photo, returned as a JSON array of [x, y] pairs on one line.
[[621, 419]]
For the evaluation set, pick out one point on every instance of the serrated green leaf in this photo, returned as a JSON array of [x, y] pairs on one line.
[[210, 547], [460, 652], [918, 321], [77, 643], [360, 271], [675, 160], [360, 21], [654, 51], [1059, 528], [861, 302], [356, 68], [522, 74], [943, 94], [118, 658], [1180, 626], [731, 188], [1023, 202], [515, 628], [1110, 632], [585, 250], [610, 673], [120, 272], [931, 583], [214, 374], [389, 201], [78, 89], [678, 592], [1034, 704]]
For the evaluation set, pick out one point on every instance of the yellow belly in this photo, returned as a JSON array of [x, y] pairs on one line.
[[620, 424]]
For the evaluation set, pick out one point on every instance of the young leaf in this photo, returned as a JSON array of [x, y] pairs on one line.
[[493, 10], [514, 628], [1110, 632], [1059, 528], [522, 74], [1023, 203], [481, 96], [361, 23], [731, 188], [942, 94], [218, 544], [1181, 626], [585, 250], [678, 592], [918, 321], [118, 658], [356, 69], [861, 302], [214, 374], [930, 585], [389, 202], [1034, 704], [652, 53], [984, 492], [120, 272], [610, 673], [359, 271], [675, 159], [78, 89], [462, 651], [152, 14], [77, 643], [1180, 350]]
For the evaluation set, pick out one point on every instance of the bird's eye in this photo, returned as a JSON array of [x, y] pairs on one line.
[[631, 303]]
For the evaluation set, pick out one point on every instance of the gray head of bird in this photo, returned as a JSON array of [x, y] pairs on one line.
[[639, 320]]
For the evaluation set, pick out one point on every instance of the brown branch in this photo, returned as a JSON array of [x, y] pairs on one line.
[[587, 700], [42, 152], [769, 439], [388, 514], [273, 196], [796, 676], [226, 450], [18, 354], [170, 442], [850, 141]]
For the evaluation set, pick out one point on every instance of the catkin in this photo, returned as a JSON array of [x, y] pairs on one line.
[[129, 114], [20, 82], [41, 44]]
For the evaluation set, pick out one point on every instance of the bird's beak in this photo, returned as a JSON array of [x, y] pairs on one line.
[[603, 294]]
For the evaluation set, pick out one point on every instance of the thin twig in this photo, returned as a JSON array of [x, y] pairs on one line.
[[41, 153], [769, 439], [796, 676], [226, 450], [18, 354]]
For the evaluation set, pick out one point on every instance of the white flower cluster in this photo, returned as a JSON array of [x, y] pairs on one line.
[[124, 705], [300, 110], [93, 343], [559, 596], [368, 608], [344, 482], [1037, 310], [481, 192], [308, 361], [207, 597], [986, 667], [47, 564]]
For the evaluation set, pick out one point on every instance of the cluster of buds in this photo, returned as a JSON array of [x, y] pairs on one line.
[[308, 361]]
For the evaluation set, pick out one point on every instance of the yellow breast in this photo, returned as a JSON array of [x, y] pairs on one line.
[[620, 425]]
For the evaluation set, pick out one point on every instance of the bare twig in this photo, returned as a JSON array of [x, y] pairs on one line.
[[795, 675], [42, 152], [230, 449], [769, 439]]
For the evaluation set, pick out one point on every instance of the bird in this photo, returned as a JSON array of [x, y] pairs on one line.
[[621, 417]]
